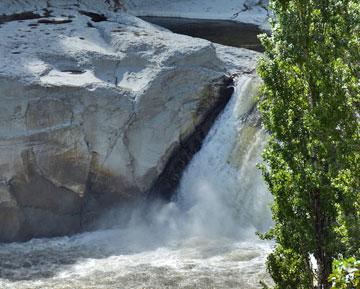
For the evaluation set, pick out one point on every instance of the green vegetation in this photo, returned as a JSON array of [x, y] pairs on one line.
[[310, 105], [346, 274]]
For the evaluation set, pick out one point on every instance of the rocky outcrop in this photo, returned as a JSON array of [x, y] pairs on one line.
[[93, 105]]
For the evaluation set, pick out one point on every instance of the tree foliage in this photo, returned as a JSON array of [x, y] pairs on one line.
[[310, 104], [346, 274]]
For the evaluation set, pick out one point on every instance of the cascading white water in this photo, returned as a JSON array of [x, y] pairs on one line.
[[222, 187], [204, 239]]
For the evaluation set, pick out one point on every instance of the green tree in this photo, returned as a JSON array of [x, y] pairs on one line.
[[346, 274], [310, 105]]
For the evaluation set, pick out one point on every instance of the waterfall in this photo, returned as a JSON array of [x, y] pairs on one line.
[[204, 238], [221, 193], [222, 190]]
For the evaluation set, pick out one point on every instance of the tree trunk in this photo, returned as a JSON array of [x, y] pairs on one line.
[[321, 256]]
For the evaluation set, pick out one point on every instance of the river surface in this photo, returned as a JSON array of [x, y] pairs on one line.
[[225, 32], [205, 238]]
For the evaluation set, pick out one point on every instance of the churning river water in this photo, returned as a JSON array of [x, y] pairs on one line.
[[203, 239]]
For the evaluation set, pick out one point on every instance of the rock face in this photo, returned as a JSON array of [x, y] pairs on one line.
[[93, 105]]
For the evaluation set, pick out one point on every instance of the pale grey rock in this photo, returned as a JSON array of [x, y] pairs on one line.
[[91, 112]]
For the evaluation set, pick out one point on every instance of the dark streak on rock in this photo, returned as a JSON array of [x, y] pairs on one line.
[[54, 21], [28, 15], [94, 16], [19, 16], [73, 71]]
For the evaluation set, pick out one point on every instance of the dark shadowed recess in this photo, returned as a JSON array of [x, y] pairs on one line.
[[226, 32], [27, 15]]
